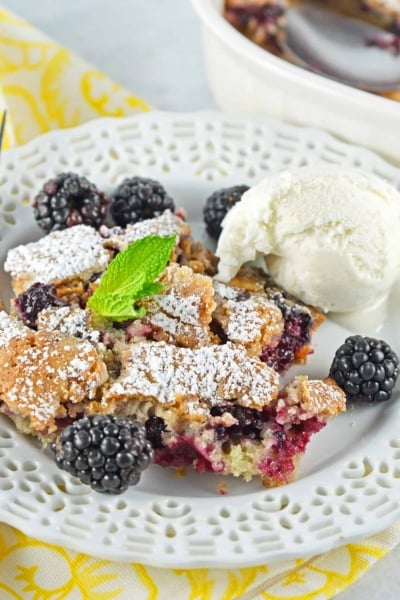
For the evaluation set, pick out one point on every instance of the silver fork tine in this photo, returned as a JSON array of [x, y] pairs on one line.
[[2, 127]]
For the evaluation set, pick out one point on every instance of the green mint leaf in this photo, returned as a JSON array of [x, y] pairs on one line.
[[131, 276], [150, 289], [116, 307]]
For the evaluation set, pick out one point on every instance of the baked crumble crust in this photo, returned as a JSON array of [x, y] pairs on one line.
[[247, 318], [57, 257], [192, 380], [182, 314], [315, 397], [43, 373]]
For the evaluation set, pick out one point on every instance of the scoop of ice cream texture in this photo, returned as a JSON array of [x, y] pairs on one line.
[[328, 235]]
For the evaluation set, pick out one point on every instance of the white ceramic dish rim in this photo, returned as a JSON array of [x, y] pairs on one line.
[[193, 524], [213, 20]]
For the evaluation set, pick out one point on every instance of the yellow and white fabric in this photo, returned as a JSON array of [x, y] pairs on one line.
[[44, 86]]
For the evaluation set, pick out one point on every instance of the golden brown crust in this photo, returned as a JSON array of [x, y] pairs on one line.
[[183, 312], [42, 372], [192, 381], [321, 398], [248, 319]]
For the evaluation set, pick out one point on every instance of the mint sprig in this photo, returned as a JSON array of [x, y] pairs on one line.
[[132, 276]]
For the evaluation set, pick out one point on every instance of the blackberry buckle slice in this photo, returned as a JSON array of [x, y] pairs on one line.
[[195, 380], [217, 409]]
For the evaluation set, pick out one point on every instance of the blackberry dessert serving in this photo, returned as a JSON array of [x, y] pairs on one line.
[[69, 200], [194, 361], [263, 21]]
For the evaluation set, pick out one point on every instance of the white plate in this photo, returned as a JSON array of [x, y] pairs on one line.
[[349, 483]]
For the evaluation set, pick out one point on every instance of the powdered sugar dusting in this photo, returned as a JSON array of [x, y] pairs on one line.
[[211, 374], [44, 371], [183, 312], [11, 327], [77, 251], [308, 398], [69, 320], [165, 225], [178, 316], [246, 317]]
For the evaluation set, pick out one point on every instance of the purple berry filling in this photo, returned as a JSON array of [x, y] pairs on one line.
[[278, 463], [36, 298], [295, 336]]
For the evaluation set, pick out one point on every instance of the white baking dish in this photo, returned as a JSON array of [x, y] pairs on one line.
[[247, 79]]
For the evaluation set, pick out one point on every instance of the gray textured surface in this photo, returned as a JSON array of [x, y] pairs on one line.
[[153, 48]]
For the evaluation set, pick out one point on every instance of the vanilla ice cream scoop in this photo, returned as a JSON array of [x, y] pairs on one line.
[[329, 235]]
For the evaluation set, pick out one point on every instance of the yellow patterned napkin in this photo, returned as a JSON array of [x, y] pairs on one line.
[[44, 86]]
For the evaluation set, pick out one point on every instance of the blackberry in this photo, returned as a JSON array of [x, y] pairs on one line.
[[249, 422], [35, 299], [106, 452], [137, 199], [365, 368], [155, 426], [69, 200], [218, 205]]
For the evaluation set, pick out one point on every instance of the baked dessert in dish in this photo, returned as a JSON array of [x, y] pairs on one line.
[[199, 366], [263, 21]]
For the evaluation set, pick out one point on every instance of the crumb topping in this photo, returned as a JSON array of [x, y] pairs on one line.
[[247, 318], [10, 328], [315, 397], [43, 371], [165, 225], [183, 313], [70, 321], [59, 255], [194, 379]]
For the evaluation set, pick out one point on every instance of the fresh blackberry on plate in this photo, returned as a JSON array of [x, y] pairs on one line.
[[106, 452], [36, 298], [137, 199], [365, 368], [218, 205], [69, 200]]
